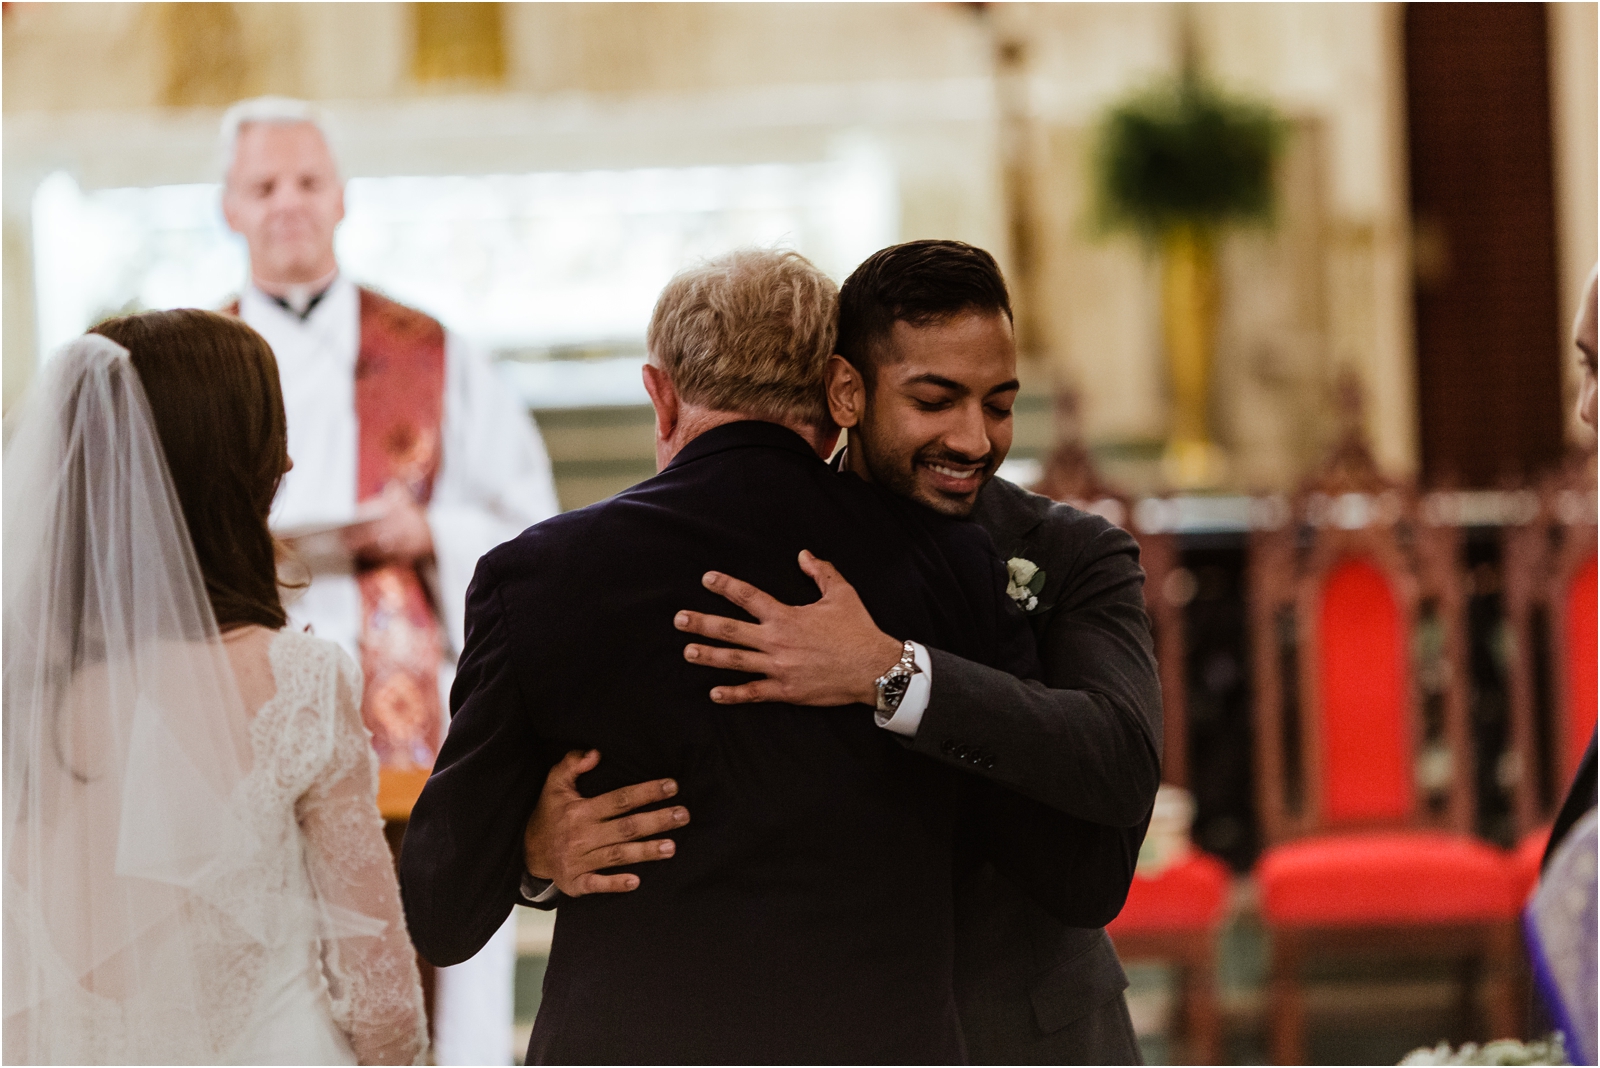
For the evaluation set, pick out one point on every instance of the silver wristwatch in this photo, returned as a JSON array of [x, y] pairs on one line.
[[892, 684]]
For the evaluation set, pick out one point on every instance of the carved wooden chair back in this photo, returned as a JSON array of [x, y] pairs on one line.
[[1158, 554], [1550, 590], [1358, 636], [1071, 476]]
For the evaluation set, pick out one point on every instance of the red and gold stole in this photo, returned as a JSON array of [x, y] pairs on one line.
[[399, 407]]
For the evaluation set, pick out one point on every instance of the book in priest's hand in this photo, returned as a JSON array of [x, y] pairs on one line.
[[323, 545]]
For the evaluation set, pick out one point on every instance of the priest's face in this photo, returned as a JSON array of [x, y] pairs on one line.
[[936, 421], [284, 195]]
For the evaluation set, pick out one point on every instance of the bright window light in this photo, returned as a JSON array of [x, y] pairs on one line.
[[554, 273]]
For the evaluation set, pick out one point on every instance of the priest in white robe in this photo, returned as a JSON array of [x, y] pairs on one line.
[[411, 459]]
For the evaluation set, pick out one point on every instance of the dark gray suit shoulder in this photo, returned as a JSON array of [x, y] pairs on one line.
[[1019, 515], [1085, 556]]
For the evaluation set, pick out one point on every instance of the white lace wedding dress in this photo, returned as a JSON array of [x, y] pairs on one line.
[[194, 868], [327, 974], [349, 991]]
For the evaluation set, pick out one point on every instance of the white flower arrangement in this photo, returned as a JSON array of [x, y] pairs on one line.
[[1548, 1050], [1024, 583]]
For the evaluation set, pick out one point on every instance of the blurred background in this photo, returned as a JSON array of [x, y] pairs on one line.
[[532, 174]]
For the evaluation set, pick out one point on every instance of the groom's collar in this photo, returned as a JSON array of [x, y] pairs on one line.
[[747, 433], [1006, 506]]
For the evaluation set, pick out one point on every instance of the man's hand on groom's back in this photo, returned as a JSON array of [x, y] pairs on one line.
[[570, 838]]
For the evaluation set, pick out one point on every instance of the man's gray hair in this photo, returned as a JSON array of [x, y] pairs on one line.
[[751, 332], [280, 110]]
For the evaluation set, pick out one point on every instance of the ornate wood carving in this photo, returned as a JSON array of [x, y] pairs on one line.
[[1348, 509], [1158, 552], [1071, 476], [1541, 560]]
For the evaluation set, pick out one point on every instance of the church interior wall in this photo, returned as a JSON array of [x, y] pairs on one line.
[[1334, 72], [119, 95]]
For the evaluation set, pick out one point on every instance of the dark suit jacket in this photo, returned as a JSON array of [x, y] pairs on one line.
[[806, 917], [1031, 989]]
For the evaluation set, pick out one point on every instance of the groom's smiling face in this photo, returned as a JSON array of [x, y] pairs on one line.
[[936, 421]]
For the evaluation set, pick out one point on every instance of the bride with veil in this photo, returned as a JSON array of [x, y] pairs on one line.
[[194, 866]]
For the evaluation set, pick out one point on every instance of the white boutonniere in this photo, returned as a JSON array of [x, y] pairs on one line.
[[1025, 581]]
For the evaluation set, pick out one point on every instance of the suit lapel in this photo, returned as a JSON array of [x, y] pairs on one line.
[[1011, 515]]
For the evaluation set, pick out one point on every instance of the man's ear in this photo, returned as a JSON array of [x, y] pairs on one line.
[[227, 209], [847, 393], [664, 397]]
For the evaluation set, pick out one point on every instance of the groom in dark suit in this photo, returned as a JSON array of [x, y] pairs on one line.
[[924, 379], [807, 917]]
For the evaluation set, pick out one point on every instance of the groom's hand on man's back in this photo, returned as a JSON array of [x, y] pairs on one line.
[[825, 653], [570, 838], [822, 654]]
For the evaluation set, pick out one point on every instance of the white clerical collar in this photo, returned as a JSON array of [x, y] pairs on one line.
[[300, 301]]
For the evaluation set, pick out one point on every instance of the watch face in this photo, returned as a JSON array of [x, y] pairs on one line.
[[894, 688]]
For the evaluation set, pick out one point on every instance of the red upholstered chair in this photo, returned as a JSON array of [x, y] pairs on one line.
[[1578, 645], [1175, 918], [1358, 638], [1550, 589], [1524, 860]]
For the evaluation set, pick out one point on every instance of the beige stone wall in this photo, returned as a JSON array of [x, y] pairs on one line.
[[111, 92], [1327, 288]]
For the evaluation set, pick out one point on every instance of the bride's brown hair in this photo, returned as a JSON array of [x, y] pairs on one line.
[[213, 388]]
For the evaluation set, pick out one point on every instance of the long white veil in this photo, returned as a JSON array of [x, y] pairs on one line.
[[126, 841]]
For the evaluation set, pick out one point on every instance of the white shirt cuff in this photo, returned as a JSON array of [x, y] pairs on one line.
[[908, 717], [536, 891]]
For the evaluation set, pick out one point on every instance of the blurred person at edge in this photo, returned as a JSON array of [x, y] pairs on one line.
[[924, 377], [1559, 922], [1581, 794], [413, 460]]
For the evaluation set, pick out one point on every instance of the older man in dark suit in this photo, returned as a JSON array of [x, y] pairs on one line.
[[808, 917], [924, 380]]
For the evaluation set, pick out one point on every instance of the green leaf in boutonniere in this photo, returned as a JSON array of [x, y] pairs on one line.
[[1024, 583]]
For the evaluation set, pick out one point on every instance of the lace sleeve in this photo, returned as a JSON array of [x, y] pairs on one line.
[[366, 954]]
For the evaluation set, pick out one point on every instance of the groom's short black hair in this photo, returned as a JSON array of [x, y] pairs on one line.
[[919, 282]]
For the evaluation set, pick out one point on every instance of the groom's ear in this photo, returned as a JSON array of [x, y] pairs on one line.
[[847, 392]]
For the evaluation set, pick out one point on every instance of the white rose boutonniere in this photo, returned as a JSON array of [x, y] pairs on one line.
[[1025, 581]]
